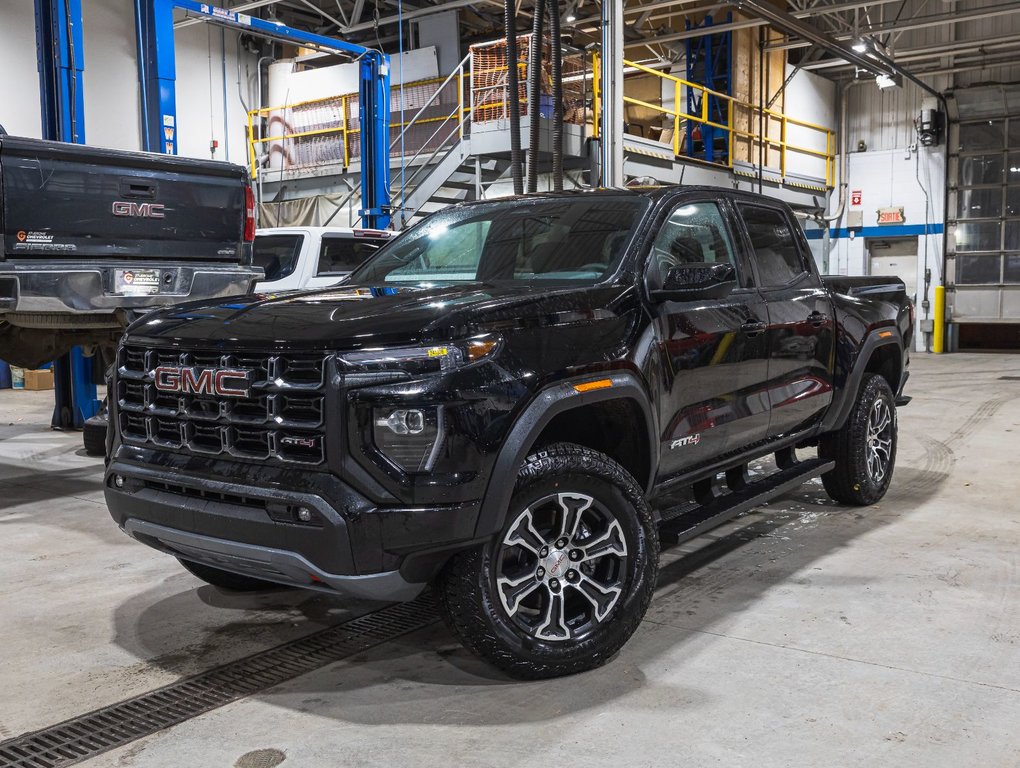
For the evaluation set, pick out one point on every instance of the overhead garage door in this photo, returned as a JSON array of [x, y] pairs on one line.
[[984, 271]]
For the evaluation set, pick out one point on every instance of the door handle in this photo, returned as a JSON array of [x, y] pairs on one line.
[[817, 318], [753, 327]]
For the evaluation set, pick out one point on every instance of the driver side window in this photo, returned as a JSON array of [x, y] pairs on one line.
[[694, 233]]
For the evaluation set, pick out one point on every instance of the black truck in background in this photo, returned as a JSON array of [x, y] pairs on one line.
[[94, 237], [517, 402]]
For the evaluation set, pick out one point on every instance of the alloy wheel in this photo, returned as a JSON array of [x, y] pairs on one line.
[[561, 567], [879, 440]]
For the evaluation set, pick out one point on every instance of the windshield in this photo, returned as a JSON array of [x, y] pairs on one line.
[[277, 254], [578, 240]]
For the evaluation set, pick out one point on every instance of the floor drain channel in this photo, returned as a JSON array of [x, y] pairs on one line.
[[104, 729]]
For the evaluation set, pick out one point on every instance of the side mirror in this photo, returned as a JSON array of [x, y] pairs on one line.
[[691, 282]]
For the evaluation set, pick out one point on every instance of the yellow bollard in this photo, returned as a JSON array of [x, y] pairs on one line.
[[938, 340]]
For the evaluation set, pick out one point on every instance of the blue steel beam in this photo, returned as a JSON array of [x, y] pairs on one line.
[[61, 60], [157, 76]]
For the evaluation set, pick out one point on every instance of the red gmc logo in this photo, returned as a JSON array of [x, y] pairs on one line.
[[140, 210], [226, 382]]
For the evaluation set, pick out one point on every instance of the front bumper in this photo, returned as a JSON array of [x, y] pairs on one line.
[[87, 288], [352, 547]]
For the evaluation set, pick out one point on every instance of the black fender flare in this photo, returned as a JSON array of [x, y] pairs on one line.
[[544, 406], [839, 412]]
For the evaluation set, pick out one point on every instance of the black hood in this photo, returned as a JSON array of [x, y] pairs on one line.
[[350, 317]]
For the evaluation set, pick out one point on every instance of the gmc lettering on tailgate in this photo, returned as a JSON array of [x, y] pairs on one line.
[[138, 210]]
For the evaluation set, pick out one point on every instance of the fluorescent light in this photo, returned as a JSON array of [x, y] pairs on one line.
[[860, 45], [571, 18], [885, 81]]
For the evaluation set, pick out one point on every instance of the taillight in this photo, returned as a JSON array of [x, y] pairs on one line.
[[249, 215]]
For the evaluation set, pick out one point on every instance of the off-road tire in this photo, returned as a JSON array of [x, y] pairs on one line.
[[93, 435], [851, 482], [467, 589], [232, 582]]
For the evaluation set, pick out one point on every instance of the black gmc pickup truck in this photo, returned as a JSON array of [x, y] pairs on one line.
[[517, 402], [94, 237]]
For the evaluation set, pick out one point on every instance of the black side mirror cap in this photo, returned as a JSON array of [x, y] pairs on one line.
[[693, 282]]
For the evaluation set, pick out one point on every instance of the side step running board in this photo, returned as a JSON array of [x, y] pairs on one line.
[[729, 505]]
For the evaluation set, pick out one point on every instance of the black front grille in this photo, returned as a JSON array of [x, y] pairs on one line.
[[282, 419]]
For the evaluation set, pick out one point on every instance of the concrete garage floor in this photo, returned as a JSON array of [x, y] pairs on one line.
[[802, 634]]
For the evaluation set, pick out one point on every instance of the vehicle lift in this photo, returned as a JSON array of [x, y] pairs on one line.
[[157, 74], [61, 61], [60, 51]]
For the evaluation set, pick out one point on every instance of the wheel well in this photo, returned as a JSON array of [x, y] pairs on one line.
[[616, 428], [887, 362]]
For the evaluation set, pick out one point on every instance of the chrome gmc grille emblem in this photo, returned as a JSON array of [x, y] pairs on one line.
[[225, 382]]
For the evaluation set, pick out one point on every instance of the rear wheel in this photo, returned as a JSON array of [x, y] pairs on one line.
[[566, 582], [233, 582], [94, 435], [865, 448]]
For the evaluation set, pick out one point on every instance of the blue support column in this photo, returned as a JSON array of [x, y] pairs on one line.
[[374, 108], [157, 74], [60, 52]]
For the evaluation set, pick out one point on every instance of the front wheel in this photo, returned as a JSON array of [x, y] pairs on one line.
[[567, 580], [864, 449]]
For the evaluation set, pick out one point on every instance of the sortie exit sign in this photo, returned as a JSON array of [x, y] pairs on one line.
[[891, 215]]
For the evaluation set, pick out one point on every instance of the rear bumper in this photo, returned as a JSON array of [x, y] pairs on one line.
[[350, 546], [86, 288]]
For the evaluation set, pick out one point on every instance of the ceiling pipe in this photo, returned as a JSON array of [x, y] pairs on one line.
[[919, 54], [790, 24], [918, 22]]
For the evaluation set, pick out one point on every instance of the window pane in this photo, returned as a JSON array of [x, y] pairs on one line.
[[980, 203], [775, 248], [986, 135], [974, 236], [1013, 168], [1012, 236], [972, 270], [1013, 201], [1014, 133], [277, 254], [981, 169], [340, 255], [1012, 268], [693, 234]]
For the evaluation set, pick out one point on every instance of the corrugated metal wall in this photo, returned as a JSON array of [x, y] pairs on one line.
[[884, 119]]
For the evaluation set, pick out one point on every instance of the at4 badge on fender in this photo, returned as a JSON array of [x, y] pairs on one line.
[[689, 440]]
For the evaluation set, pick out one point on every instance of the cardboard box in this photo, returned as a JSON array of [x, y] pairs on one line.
[[36, 380]]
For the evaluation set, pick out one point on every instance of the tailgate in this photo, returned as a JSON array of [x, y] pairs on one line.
[[74, 202], [884, 288]]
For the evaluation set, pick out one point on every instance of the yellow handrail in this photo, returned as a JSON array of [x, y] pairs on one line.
[[783, 144]]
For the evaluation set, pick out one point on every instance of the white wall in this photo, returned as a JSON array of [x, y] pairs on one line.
[[111, 80], [19, 76], [893, 178], [812, 99]]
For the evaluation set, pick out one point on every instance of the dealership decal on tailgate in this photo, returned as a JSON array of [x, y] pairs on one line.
[[136, 282]]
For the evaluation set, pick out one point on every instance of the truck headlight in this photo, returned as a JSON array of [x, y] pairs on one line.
[[409, 437], [422, 360]]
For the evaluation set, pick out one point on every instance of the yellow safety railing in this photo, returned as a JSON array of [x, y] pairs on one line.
[[346, 127], [786, 148]]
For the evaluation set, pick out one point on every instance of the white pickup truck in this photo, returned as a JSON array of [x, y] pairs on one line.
[[312, 257]]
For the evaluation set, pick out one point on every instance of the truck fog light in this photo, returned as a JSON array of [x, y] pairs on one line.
[[118, 480], [304, 514], [403, 422], [410, 438]]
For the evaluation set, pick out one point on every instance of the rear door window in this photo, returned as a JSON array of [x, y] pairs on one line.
[[277, 254], [341, 255], [777, 257]]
